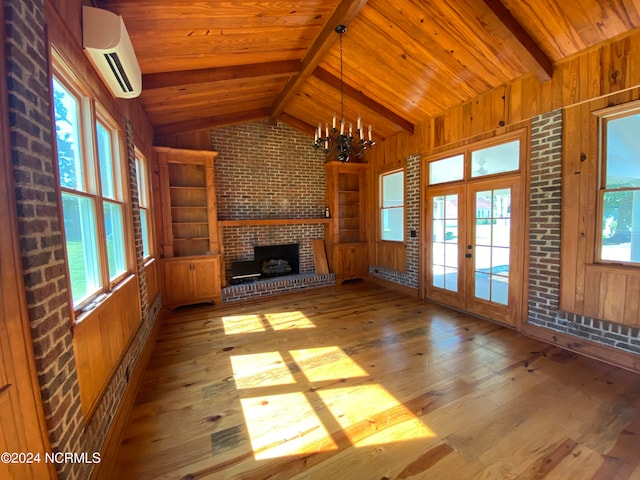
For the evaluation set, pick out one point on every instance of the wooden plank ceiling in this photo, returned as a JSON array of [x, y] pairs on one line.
[[211, 63]]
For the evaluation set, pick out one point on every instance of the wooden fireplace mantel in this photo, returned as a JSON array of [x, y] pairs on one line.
[[273, 221]]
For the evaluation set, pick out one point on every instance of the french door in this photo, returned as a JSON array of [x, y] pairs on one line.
[[474, 255]]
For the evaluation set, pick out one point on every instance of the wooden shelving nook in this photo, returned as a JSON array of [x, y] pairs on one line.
[[345, 234], [189, 241]]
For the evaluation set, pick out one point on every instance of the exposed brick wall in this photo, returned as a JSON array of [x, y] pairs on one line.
[[40, 227], [239, 242], [42, 251], [544, 240], [412, 214], [267, 171]]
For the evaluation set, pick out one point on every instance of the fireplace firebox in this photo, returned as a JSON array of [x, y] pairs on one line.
[[269, 261]]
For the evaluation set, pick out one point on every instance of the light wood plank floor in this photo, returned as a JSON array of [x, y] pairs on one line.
[[360, 382]]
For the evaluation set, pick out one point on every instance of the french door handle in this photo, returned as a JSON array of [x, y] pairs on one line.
[[468, 255]]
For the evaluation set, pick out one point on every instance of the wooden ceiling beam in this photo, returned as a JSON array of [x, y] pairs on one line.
[[344, 13], [361, 98], [209, 75], [211, 122], [528, 50]]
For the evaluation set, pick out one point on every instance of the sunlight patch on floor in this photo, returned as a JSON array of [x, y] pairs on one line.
[[326, 363], [281, 425], [370, 415], [288, 320], [260, 370], [236, 324]]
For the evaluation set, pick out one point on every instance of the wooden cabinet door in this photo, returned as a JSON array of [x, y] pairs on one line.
[[360, 260], [206, 278], [178, 283], [350, 261], [191, 280]]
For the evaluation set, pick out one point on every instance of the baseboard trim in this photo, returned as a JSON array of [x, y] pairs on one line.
[[109, 451], [413, 292], [604, 353]]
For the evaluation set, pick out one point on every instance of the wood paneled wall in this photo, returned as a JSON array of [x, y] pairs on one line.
[[392, 255], [608, 70], [100, 340], [153, 279], [195, 140], [600, 291]]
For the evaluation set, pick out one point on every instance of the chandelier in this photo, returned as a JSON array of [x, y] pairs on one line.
[[341, 142]]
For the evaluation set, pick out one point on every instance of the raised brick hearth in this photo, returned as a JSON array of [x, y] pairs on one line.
[[272, 286]]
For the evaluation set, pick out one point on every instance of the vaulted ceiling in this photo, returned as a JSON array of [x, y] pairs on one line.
[[210, 63]]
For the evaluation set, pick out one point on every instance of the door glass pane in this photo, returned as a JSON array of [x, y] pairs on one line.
[[502, 203], [496, 159], [491, 248], [444, 246], [500, 289], [500, 232], [451, 255], [82, 246], [451, 279], [446, 170], [482, 286], [483, 258], [114, 230], [483, 231], [499, 260], [483, 206], [451, 231], [438, 276]]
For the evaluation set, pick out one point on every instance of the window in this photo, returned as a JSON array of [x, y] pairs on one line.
[[619, 189], [477, 162], [446, 170], [392, 206], [142, 174], [92, 190]]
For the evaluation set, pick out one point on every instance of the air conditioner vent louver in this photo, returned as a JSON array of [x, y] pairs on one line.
[[118, 72], [109, 48]]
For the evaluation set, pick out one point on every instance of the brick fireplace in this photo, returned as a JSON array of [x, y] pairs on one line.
[[271, 190]]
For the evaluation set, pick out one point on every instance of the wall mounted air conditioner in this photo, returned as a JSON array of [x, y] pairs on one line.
[[107, 43]]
